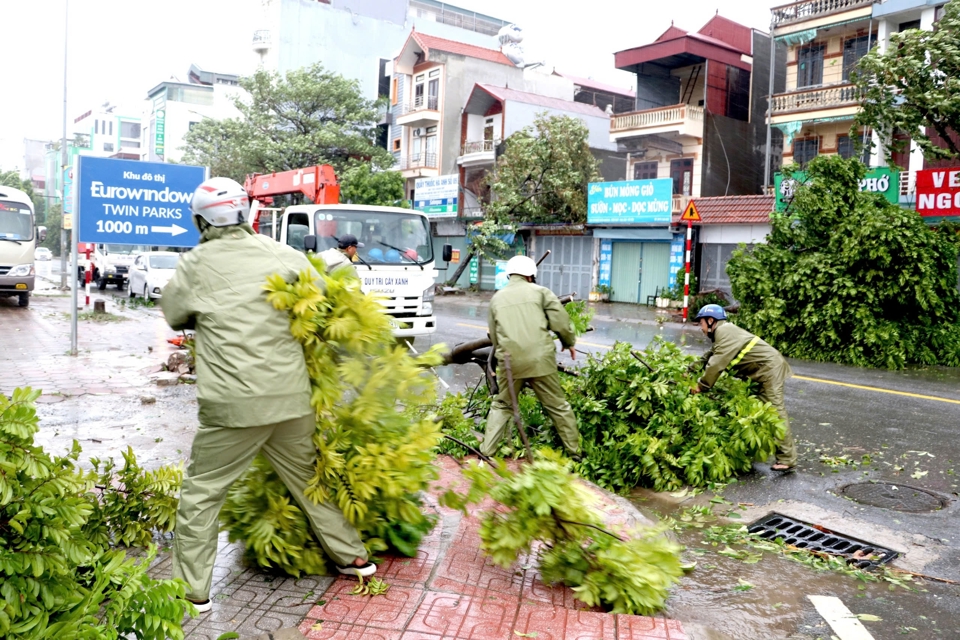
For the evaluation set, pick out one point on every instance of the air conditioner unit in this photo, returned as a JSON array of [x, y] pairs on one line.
[[417, 132]]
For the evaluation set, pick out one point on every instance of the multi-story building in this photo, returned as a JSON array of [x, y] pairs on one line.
[[359, 38], [104, 132], [825, 41], [491, 115], [699, 120], [173, 107], [699, 117]]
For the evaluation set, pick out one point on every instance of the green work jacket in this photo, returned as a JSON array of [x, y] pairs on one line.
[[761, 362], [521, 317], [250, 369]]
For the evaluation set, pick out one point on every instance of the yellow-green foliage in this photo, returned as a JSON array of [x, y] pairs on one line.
[[546, 504], [373, 458]]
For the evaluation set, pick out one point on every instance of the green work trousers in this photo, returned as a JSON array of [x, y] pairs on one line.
[[771, 390], [548, 391], [220, 455]]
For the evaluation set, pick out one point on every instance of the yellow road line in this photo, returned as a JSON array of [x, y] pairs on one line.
[[474, 326], [579, 342], [878, 389]]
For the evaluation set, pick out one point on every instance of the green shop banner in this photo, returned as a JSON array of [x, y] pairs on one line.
[[881, 180]]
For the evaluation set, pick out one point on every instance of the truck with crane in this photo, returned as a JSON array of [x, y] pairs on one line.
[[396, 259]]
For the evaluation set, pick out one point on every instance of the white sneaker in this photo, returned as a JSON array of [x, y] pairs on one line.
[[365, 570], [203, 607]]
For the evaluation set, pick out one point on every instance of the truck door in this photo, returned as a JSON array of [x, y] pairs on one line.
[[296, 226]]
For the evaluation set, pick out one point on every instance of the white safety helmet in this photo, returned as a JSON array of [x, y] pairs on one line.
[[522, 266], [220, 202]]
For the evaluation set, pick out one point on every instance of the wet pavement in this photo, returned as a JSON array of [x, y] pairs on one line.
[[872, 426]]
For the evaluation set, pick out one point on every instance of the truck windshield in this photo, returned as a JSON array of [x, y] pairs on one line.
[[16, 221], [387, 237]]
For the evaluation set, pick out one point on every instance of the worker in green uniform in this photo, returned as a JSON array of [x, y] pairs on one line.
[[747, 356], [521, 317], [343, 254], [252, 386]]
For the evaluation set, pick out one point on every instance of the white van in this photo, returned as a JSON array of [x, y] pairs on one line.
[[19, 237]]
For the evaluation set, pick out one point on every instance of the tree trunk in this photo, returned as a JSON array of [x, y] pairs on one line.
[[459, 272]]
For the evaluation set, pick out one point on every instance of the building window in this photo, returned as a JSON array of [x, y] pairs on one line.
[[853, 50], [394, 90], [111, 128], [681, 171], [108, 147], [488, 129], [810, 66], [96, 126], [805, 150], [396, 144], [129, 129], [645, 171], [847, 148], [904, 26]]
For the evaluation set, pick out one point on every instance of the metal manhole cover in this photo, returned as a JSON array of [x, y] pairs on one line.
[[890, 495]]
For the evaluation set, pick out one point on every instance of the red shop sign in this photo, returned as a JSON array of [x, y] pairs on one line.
[[938, 192]]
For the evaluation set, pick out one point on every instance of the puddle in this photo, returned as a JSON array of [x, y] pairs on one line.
[[716, 603]]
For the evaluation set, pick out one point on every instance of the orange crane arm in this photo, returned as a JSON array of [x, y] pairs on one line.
[[318, 183]]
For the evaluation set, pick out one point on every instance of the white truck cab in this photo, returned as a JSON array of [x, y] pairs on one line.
[[395, 261], [112, 262]]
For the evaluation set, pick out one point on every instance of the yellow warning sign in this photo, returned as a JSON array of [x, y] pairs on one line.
[[691, 214]]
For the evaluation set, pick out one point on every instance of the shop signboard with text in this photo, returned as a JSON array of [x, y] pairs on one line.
[[630, 202], [938, 192], [437, 197], [882, 180]]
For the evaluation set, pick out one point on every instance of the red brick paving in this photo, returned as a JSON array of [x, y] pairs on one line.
[[451, 591]]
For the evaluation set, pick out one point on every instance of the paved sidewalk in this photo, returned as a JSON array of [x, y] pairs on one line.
[[450, 590]]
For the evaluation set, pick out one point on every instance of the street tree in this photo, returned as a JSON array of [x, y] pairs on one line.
[[543, 173], [846, 276], [541, 177], [306, 117], [360, 184], [912, 88]]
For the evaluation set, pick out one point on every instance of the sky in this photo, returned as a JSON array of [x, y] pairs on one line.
[[118, 50]]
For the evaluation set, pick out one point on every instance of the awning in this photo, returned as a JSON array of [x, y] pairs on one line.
[[641, 233]]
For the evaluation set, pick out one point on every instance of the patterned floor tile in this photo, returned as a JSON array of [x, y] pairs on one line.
[[323, 630], [649, 628], [487, 617], [557, 623], [389, 611]]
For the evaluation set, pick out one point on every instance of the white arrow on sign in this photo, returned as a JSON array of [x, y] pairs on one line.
[[173, 230]]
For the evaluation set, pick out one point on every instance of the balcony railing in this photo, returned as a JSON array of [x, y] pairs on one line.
[[419, 161], [422, 103], [649, 118], [680, 203], [807, 9], [843, 95], [480, 146]]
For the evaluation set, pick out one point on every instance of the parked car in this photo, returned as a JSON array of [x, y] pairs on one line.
[[150, 273], [42, 253]]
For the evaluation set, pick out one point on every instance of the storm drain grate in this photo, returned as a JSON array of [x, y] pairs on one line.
[[813, 537], [890, 495]]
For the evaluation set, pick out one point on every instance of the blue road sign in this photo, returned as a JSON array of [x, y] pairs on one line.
[[140, 203]]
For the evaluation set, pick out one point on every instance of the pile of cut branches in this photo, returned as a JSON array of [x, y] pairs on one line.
[[639, 423]]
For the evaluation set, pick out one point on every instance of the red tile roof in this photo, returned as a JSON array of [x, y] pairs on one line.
[[503, 94], [733, 210], [597, 86], [459, 48]]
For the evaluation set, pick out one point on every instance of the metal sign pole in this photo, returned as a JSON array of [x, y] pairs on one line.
[[686, 276], [63, 206]]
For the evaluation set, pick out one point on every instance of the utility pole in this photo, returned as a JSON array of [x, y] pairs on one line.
[[773, 64], [63, 201]]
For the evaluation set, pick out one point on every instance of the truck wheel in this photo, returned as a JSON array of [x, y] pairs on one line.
[[24, 299], [132, 294], [120, 286], [101, 284]]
